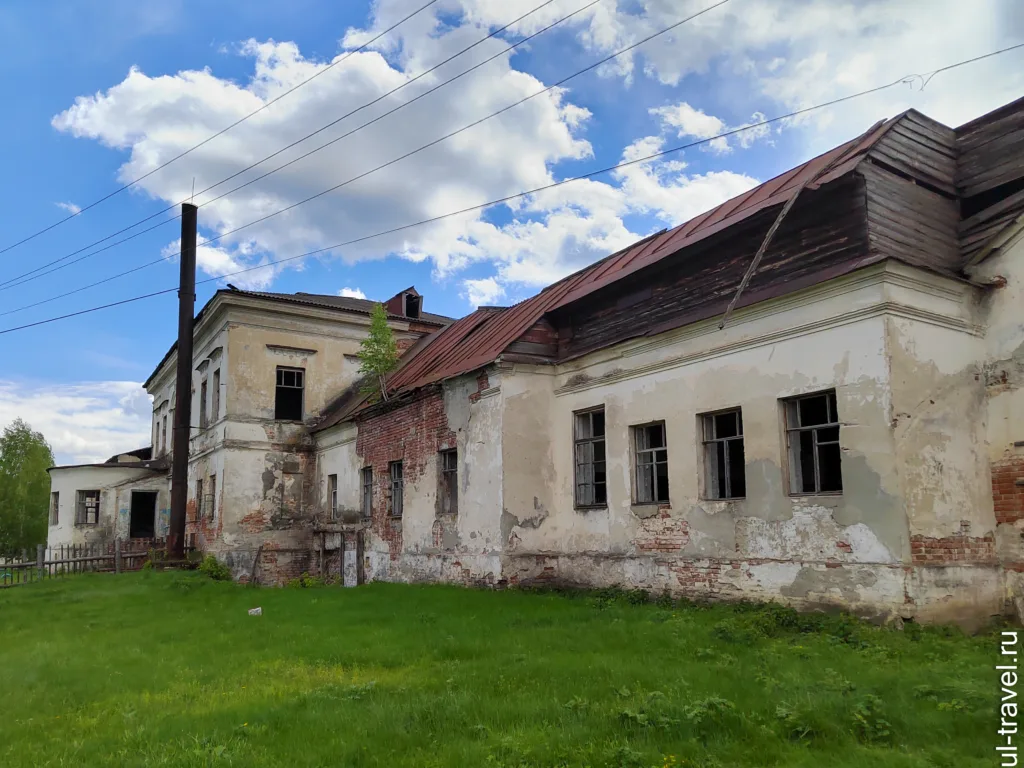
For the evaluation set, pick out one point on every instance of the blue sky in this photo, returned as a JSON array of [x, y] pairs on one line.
[[96, 94]]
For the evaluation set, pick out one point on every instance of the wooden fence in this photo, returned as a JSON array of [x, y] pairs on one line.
[[57, 562]]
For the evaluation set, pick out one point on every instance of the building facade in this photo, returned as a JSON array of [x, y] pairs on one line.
[[839, 424]]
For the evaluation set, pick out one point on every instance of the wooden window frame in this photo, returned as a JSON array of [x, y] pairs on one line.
[[215, 397], [81, 508], [54, 507], [396, 482], [300, 374], [449, 476], [204, 394], [638, 432], [211, 494], [582, 444], [711, 441], [332, 496], [366, 499], [794, 434]]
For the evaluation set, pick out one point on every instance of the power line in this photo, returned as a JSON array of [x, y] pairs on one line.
[[32, 274], [220, 132], [534, 95], [481, 206]]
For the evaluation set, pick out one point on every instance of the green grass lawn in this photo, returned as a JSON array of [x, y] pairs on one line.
[[169, 669]]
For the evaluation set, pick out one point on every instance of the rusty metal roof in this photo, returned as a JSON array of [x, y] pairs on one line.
[[480, 338], [348, 303]]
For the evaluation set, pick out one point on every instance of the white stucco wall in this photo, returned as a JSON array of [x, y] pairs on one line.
[[115, 483], [849, 548]]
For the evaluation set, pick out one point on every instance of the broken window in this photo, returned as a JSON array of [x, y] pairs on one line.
[[412, 305], [199, 499], [450, 482], [215, 397], [367, 506], [203, 417], [332, 495], [812, 431], [397, 489], [87, 510], [210, 507], [54, 507], [165, 436], [651, 454], [724, 465], [288, 399], [591, 476]]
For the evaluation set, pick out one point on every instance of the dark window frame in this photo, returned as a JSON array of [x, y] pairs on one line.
[[200, 498], [646, 460], [82, 507], [396, 479], [298, 382], [215, 397], [449, 476], [589, 492], [718, 452], [366, 501], [332, 496], [54, 507], [204, 394], [211, 494], [813, 440]]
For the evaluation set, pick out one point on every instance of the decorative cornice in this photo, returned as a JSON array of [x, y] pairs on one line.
[[284, 349]]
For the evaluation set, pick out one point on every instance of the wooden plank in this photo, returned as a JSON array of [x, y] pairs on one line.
[[976, 138], [943, 151]]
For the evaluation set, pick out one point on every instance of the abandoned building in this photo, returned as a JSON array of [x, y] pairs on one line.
[[853, 435]]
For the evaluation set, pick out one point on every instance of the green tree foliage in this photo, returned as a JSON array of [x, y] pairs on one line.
[[378, 353], [24, 488]]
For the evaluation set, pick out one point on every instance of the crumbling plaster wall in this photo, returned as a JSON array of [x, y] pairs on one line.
[[850, 549], [424, 544], [1001, 310], [936, 350], [268, 478], [115, 484]]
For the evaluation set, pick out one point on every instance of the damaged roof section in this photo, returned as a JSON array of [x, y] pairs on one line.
[[894, 192], [990, 179]]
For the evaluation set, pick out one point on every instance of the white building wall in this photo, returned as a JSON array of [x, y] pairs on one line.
[[115, 483], [849, 549]]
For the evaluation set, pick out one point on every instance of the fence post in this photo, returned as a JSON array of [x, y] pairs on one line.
[[117, 555], [40, 552]]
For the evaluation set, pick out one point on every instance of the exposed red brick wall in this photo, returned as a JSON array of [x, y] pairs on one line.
[[412, 433], [1007, 496], [699, 575], [482, 382], [958, 548], [278, 566], [663, 533]]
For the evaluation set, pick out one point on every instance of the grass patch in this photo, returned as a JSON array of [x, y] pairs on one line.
[[157, 668]]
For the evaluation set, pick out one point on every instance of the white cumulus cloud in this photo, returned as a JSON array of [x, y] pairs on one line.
[[69, 207], [352, 293], [84, 422]]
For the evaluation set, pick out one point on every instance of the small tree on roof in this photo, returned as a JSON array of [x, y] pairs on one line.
[[378, 353]]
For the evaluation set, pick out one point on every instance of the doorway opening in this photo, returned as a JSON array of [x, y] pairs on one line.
[[142, 524]]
